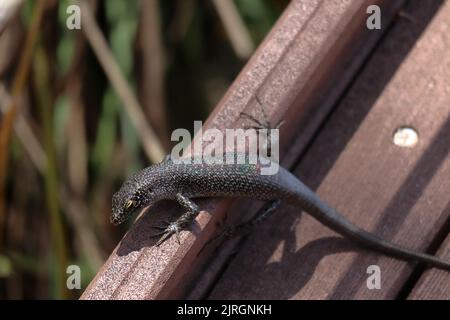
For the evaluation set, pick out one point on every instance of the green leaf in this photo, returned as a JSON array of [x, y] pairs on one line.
[[5, 266]]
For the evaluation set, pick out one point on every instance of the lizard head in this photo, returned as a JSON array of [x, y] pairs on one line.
[[125, 203], [141, 190]]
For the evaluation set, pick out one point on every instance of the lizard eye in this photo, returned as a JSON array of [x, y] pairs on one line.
[[129, 204]]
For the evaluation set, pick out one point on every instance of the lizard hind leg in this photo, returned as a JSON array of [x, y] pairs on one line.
[[260, 124], [241, 229], [244, 228]]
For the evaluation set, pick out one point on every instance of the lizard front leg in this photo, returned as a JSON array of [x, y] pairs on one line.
[[185, 219]]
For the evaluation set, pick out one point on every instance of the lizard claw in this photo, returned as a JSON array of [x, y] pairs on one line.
[[168, 230]]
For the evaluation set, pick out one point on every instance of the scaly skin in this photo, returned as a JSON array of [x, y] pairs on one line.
[[182, 182]]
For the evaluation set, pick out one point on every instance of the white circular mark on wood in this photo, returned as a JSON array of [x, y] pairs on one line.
[[405, 137]]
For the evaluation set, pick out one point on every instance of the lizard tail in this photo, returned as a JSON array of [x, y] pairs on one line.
[[308, 200]]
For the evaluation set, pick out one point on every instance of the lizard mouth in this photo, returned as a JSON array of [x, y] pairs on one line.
[[115, 220]]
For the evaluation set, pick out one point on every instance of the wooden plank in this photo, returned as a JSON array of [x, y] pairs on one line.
[[434, 284], [358, 43], [398, 193], [302, 57]]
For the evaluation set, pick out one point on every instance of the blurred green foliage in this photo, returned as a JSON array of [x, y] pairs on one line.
[[200, 65]]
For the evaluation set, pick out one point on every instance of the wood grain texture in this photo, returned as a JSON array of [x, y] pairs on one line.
[[435, 284], [398, 193], [306, 52]]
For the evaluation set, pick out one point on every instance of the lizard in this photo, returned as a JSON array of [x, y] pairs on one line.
[[183, 182]]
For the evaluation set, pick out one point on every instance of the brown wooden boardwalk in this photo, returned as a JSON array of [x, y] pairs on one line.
[[343, 91]]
